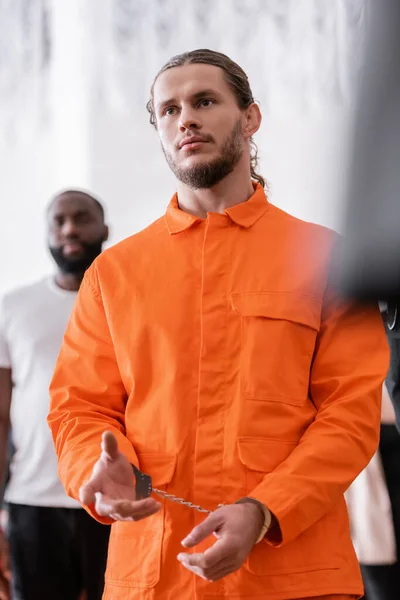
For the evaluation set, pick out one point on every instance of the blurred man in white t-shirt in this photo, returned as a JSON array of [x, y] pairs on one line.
[[56, 549]]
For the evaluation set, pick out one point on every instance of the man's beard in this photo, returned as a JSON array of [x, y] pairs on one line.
[[208, 174], [77, 265]]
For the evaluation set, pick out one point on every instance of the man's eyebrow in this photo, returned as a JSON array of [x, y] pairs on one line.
[[81, 212], [165, 103], [203, 93], [196, 96]]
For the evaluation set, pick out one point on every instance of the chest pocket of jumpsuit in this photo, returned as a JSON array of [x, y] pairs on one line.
[[134, 554], [278, 336]]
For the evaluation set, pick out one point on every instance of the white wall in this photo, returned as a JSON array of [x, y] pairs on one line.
[[28, 178], [44, 146]]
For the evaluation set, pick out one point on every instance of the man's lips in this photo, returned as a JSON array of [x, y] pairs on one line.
[[72, 248], [191, 142]]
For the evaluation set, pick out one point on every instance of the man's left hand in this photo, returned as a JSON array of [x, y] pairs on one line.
[[237, 528]]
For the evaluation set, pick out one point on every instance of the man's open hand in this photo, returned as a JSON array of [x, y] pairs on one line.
[[112, 486]]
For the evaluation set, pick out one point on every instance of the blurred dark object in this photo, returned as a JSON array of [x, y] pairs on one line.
[[382, 582], [371, 266], [391, 317]]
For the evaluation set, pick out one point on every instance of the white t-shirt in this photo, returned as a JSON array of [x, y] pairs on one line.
[[32, 324]]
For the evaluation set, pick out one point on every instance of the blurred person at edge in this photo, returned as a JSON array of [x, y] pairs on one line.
[[391, 314], [5, 573], [371, 252], [211, 353], [374, 509], [55, 549]]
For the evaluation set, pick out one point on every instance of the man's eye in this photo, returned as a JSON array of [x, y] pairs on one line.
[[83, 220], [170, 111], [206, 102]]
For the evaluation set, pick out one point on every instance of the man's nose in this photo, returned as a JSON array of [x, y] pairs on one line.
[[69, 228], [189, 120]]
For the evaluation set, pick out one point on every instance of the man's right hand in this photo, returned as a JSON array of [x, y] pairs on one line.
[[112, 486], [4, 568]]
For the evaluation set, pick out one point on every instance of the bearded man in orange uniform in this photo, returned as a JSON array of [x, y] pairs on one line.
[[214, 360]]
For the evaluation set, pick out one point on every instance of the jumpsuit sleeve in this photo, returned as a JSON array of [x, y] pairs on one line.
[[87, 393], [350, 363]]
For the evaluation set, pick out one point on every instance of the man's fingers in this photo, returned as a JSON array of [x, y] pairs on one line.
[[215, 557], [220, 573], [138, 516], [202, 531], [109, 445], [192, 560], [196, 570], [137, 510], [215, 563], [125, 509], [193, 563], [87, 493], [129, 508], [103, 505], [220, 551]]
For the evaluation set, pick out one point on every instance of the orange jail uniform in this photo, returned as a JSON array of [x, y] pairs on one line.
[[221, 357]]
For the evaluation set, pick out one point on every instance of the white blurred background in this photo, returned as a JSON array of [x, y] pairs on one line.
[[75, 77]]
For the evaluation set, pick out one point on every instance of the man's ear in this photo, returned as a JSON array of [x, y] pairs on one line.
[[106, 233], [252, 120]]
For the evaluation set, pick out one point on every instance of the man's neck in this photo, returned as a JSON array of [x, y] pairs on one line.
[[68, 281], [230, 191]]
